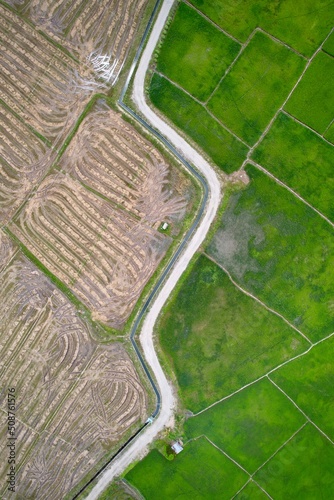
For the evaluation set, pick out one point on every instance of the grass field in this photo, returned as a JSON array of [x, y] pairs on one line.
[[309, 381], [259, 82], [329, 134], [218, 339], [195, 53], [200, 471], [250, 426], [302, 470], [312, 102], [303, 24], [302, 160], [280, 250], [251, 492], [224, 149], [329, 45]]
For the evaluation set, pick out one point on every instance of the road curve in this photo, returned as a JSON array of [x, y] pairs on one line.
[[165, 417]]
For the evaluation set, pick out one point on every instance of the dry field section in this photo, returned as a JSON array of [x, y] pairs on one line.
[[92, 221], [103, 248], [83, 195], [100, 30], [75, 398]]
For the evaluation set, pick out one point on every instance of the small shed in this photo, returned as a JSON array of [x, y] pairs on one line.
[[164, 226], [176, 447]]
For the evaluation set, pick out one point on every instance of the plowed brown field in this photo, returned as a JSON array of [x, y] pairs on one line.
[[75, 398]]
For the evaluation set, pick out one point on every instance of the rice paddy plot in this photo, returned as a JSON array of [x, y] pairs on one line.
[[218, 339], [329, 134], [303, 25], [302, 470], [300, 159], [309, 381], [195, 53], [312, 102], [280, 250], [251, 492], [200, 471], [250, 426], [187, 114], [259, 82], [329, 45]]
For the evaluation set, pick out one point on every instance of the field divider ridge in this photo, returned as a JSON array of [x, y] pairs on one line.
[[213, 23], [227, 456], [203, 106], [286, 113], [243, 47], [269, 174], [281, 447], [257, 299], [301, 411], [268, 127]]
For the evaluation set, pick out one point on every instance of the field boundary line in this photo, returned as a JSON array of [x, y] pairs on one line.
[[257, 299], [308, 127], [227, 456], [281, 447], [243, 47], [259, 378], [230, 395], [179, 87], [269, 174], [202, 103], [11, 258], [213, 23], [322, 340], [251, 480], [265, 375], [261, 488], [242, 488], [301, 411], [268, 127], [326, 129], [278, 40]]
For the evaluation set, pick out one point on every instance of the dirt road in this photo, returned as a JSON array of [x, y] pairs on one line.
[[165, 417]]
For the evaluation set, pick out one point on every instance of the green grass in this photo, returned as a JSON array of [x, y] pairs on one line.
[[116, 491], [226, 151], [309, 381], [302, 470], [302, 160], [259, 82], [303, 24], [329, 45], [251, 492], [329, 134], [280, 250], [312, 102], [200, 471], [195, 53], [218, 339], [250, 426]]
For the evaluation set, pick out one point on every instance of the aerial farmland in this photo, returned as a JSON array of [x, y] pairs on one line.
[[166, 249], [83, 197], [247, 335]]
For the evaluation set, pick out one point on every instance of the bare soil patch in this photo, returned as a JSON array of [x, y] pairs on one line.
[[103, 244], [75, 398]]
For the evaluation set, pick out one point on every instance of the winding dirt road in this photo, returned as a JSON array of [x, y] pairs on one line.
[[138, 448]]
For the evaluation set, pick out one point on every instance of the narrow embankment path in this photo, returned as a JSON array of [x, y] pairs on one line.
[[165, 417]]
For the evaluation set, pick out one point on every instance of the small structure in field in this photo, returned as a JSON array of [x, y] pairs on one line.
[[164, 226], [177, 447]]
